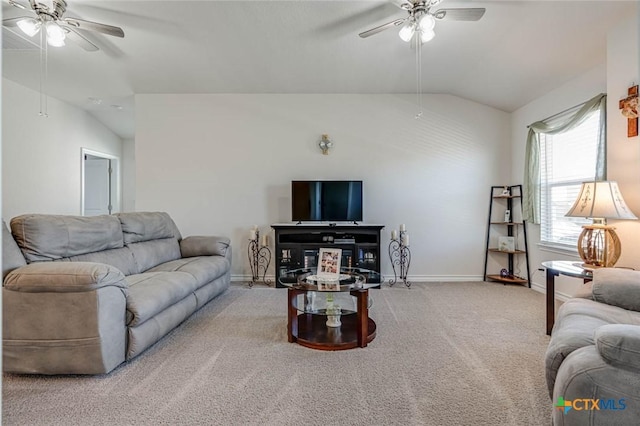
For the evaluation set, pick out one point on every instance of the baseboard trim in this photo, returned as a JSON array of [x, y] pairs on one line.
[[247, 278], [541, 288], [437, 278], [411, 278]]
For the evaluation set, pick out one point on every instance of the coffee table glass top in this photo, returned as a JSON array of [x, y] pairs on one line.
[[334, 299], [350, 279]]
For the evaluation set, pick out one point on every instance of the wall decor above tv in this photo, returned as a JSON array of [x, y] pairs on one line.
[[326, 200]]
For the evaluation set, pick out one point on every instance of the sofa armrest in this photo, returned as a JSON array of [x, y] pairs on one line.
[[63, 277], [619, 345], [617, 287], [204, 246]]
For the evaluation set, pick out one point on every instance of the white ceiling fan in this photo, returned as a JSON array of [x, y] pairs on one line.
[[49, 16], [422, 19], [419, 26], [54, 29]]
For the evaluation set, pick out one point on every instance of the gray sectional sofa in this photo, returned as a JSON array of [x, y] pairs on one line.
[[81, 295], [593, 358]]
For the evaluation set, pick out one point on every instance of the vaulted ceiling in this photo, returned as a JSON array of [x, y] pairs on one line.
[[518, 51]]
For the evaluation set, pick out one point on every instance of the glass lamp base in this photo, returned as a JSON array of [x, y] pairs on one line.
[[599, 246]]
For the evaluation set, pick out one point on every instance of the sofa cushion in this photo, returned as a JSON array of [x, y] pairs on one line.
[[153, 292], [204, 269], [618, 287], [121, 258], [145, 226], [585, 291], [50, 237], [12, 257], [144, 335], [148, 254], [619, 345]]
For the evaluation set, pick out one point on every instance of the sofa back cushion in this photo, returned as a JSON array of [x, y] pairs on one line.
[[148, 254], [617, 287], [121, 258], [146, 226], [152, 237], [51, 237], [12, 257]]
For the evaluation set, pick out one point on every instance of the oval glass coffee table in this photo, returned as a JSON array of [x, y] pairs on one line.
[[330, 315]]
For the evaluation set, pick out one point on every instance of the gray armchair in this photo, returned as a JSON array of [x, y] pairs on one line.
[[593, 359]]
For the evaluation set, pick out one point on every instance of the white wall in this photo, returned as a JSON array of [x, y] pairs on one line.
[[623, 154], [41, 161], [221, 163], [128, 175]]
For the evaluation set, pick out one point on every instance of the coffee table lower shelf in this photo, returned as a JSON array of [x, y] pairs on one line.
[[314, 333]]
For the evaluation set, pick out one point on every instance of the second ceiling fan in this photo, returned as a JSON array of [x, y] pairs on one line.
[[422, 18]]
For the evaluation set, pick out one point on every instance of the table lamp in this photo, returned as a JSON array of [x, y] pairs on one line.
[[598, 244]]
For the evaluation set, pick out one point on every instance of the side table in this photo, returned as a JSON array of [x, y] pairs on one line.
[[555, 268]]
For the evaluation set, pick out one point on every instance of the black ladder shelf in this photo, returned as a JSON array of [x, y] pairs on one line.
[[508, 197]]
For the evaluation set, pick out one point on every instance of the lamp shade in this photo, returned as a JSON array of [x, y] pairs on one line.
[[601, 200], [406, 32], [427, 22], [29, 26], [55, 34], [427, 35]]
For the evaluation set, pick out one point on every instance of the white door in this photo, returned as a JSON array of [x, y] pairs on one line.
[[97, 186]]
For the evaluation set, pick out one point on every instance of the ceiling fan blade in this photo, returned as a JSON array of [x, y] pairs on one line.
[[94, 26], [381, 28], [469, 14], [80, 40], [18, 5], [403, 4], [13, 22]]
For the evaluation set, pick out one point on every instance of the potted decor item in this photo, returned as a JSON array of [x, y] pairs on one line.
[[333, 313]]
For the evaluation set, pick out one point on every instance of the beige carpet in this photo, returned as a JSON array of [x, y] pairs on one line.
[[445, 354]]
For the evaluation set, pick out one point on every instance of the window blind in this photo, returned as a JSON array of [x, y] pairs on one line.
[[566, 160]]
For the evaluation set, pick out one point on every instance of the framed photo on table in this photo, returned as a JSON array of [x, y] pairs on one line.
[[506, 244], [329, 263]]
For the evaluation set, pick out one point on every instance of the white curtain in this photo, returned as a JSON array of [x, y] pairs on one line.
[[551, 126]]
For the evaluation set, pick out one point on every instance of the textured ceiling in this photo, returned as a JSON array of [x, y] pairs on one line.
[[518, 51]]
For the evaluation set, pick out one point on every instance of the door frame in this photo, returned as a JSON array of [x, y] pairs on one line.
[[115, 178]]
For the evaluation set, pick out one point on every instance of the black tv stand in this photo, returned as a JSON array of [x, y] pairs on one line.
[[330, 224], [297, 245]]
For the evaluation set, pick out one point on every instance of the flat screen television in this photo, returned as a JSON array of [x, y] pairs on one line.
[[326, 200]]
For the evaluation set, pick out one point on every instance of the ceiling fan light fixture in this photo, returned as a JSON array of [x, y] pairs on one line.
[[29, 26], [426, 36], [55, 34], [406, 32], [427, 22], [55, 42]]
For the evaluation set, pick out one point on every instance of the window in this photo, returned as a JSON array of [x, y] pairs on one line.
[[566, 160]]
